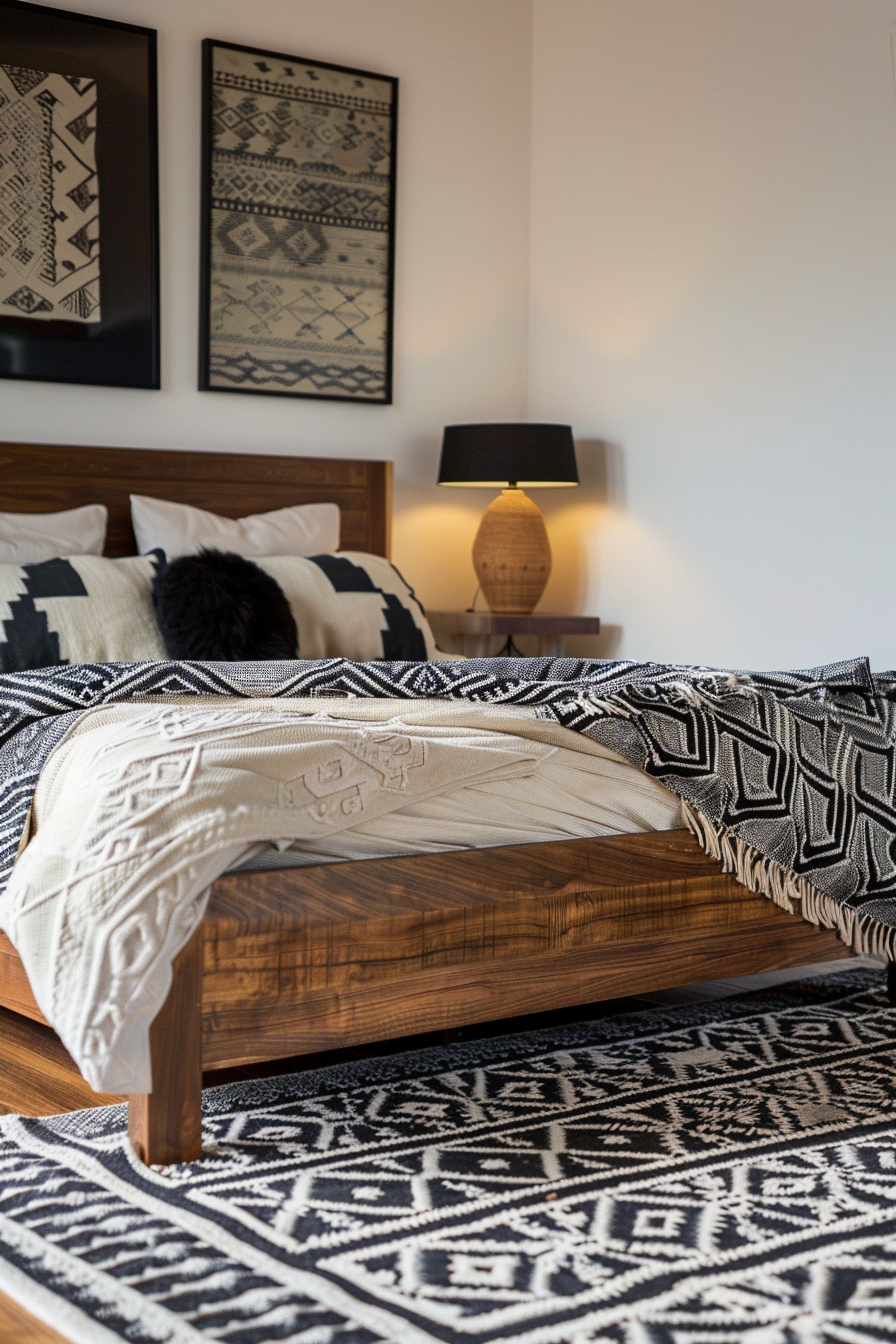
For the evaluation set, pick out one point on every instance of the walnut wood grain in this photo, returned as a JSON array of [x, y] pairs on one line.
[[40, 478], [15, 990], [165, 1125], [18, 1326], [337, 954], [461, 995], [302, 960], [37, 1074]]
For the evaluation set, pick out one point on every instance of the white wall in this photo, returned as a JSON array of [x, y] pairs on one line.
[[713, 293], [462, 238]]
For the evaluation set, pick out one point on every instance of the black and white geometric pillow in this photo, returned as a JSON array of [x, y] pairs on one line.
[[352, 605], [83, 609]]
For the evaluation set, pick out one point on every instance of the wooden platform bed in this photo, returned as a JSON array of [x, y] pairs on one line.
[[304, 960]]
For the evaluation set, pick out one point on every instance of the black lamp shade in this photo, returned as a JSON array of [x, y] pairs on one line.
[[500, 455]]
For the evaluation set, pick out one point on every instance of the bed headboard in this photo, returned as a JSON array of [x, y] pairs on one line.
[[41, 478]]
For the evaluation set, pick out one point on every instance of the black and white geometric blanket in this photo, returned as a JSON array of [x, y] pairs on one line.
[[788, 778], [721, 1174]]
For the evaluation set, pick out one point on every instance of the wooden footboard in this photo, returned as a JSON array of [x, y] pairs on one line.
[[303, 960]]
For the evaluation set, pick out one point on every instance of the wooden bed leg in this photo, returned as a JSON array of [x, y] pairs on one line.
[[165, 1125], [891, 981]]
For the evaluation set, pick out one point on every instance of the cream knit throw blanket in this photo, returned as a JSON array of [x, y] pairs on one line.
[[142, 806]]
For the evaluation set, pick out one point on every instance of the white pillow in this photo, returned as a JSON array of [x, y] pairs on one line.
[[27, 538], [352, 605], [180, 529]]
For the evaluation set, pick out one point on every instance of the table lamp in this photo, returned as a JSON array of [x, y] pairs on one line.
[[511, 553]]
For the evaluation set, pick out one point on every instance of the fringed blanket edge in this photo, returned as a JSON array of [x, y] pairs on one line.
[[755, 871]]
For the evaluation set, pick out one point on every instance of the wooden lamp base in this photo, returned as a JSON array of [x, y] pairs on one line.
[[511, 553]]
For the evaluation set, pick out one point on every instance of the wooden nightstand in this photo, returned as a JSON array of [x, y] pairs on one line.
[[477, 630]]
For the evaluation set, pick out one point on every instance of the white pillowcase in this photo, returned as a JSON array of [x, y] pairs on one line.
[[180, 529], [28, 538]]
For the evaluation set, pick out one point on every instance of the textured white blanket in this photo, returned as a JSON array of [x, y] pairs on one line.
[[142, 806]]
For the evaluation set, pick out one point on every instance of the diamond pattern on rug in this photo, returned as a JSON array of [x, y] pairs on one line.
[[725, 1172]]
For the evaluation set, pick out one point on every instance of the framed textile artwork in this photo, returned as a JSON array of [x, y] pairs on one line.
[[298, 226], [79, 270]]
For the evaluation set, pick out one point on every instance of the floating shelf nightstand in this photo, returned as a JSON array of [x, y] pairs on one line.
[[477, 629]]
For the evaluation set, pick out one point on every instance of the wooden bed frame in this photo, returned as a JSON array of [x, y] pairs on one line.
[[303, 960]]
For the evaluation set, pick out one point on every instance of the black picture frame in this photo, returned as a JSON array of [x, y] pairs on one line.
[[121, 349], [310, 366]]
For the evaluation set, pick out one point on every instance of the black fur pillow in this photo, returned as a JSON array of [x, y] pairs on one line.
[[220, 607]]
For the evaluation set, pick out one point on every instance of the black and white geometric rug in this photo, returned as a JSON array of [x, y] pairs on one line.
[[718, 1174]]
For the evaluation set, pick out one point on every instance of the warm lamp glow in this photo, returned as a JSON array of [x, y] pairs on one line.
[[511, 553]]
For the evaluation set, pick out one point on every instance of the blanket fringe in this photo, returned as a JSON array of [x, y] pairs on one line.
[[792, 893]]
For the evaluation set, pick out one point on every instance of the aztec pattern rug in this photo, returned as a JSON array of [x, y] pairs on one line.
[[300, 231], [721, 1174], [49, 196], [788, 779]]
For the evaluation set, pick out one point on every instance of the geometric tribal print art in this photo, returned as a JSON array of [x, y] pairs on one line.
[[79, 300], [718, 1174], [298, 226], [49, 207]]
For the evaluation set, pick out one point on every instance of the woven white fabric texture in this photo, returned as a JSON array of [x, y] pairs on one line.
[[79, 609], [352, 605], [570, 795], [142, 806]]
